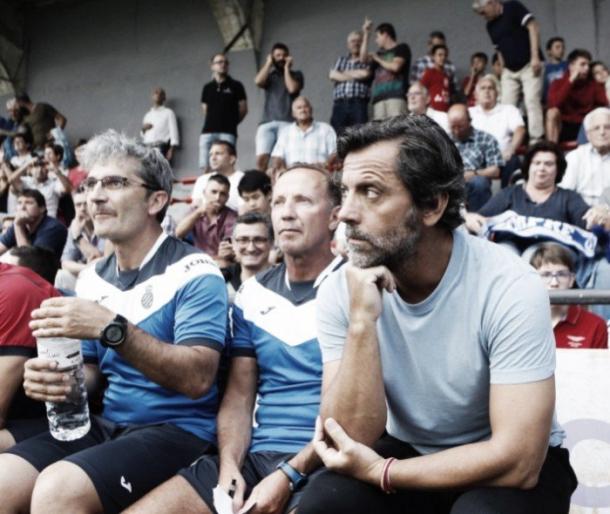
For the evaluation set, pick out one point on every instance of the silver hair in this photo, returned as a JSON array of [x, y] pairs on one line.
[[490, 77], [111, 145], [587, 121]]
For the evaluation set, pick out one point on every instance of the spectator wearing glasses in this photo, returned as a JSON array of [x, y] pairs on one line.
[[573, 326], [152, 317], [224, 105], [252, 242], [418, 102]]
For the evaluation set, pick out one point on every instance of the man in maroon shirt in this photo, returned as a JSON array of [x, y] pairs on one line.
[[572, 97], [573, 326], [22, 289], [212, 221]]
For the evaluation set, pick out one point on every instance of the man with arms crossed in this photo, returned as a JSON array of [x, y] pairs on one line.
[[439, 338], [153, 317], [275, 354]]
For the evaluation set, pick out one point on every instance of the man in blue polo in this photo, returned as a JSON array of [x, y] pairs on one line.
[[153, 320], [275, 355]]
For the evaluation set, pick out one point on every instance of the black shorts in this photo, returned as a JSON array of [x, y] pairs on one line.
[[22, 429], [202, 475], [124, 463]]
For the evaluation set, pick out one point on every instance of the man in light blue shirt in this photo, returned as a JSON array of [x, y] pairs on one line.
[[437, 348]]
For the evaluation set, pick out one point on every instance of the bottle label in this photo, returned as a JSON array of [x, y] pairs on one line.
[[66, 352]]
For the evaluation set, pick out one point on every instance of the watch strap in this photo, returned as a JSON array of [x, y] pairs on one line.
[[296, 478]]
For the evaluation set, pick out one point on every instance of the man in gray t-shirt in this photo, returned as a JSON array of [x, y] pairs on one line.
[[282, 85], [439, 339]]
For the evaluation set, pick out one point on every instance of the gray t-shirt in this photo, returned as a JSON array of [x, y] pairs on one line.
[[278, 101], [487, 322]]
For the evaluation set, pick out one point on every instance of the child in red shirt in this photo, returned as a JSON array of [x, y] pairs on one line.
[[573, 326]]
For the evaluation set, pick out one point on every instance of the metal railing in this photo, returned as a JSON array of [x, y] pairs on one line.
[[580, 296]]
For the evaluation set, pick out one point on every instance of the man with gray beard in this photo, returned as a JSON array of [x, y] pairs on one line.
[[437, 348]]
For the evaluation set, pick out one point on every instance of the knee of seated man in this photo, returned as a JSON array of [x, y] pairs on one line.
[[58, 484]]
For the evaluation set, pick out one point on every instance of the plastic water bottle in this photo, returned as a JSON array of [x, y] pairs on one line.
[[68, 420]]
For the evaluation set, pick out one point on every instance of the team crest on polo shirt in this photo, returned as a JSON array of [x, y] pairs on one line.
[[147, 298], [575, 341]]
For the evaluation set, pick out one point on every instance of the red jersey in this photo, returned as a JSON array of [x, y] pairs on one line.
[[438, 84], [21, 291], [581, 329], [576, 99]]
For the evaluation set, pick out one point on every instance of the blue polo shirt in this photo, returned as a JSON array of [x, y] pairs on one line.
[[179, 297]]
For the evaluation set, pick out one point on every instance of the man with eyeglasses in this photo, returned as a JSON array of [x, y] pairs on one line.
[[573, 326], [224, 105], [152, 317], [275, 362], [251, 243]]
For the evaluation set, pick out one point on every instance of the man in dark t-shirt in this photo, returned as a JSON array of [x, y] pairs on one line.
[[282, 85], [391, 65], [33, 227], [516, 36], [224, 105]]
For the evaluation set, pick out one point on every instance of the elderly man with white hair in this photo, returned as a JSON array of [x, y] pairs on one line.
[[503, 121], [418, 102], [588, 171]]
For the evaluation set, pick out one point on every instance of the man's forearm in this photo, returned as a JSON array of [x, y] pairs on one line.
[[517, 139], [356, 399], [187, 224], [73, 267], [534, 37], [306, 461], [484, 464], [291, 84], [190, 370], [489, 172], [21, 235], [262, 75]]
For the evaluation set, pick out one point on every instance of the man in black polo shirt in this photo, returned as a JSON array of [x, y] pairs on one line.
[[33, 227], [516, 35], [224, 105]]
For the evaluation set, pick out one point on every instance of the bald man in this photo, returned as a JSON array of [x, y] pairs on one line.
[[480, 153], [304, 140]]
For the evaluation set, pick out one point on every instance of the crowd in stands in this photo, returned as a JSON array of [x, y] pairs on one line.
[[530, 140]]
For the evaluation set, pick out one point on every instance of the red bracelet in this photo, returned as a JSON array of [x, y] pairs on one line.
[[385, 484]]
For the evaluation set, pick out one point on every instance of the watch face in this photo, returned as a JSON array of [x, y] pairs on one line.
[[114, 333]]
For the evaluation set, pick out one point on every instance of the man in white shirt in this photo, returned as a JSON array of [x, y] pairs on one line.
[[222, 159], [503, 121], [304, 140], [418, 102], [588, 171], [159, 127]]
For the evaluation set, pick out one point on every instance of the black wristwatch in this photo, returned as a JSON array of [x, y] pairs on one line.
[[297, 479], [115, 333]]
